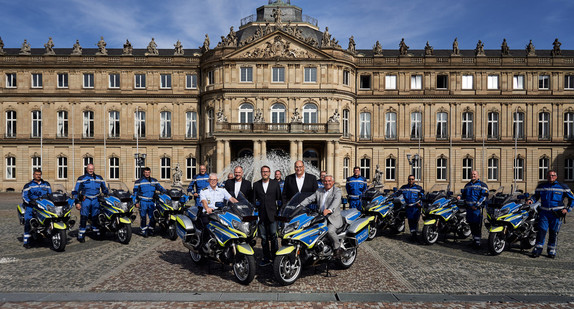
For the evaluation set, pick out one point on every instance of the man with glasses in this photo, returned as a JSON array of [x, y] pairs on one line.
[[299, 182], [475, 195], [551, 212], [239, 184], [412, 193], [267, 197], [33, 190]]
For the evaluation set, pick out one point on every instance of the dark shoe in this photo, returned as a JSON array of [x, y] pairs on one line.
[[81, 240], [144, 234], [535, 253], [265, 262], [552, 256], [27, 246]]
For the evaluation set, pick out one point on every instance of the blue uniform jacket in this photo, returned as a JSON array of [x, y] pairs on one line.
[[320, 184], [412, 195], [144, 189], [356, 186], [551, 196], [198, 183], [475, 194], [281, 185], [90, 186], [34, 190]]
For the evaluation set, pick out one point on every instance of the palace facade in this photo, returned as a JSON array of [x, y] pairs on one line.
[[280, 83]]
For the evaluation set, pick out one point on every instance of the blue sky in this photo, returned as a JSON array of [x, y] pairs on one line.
[[438, 21]]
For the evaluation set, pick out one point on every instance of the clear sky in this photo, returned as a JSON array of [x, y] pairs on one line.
[[418, 21]]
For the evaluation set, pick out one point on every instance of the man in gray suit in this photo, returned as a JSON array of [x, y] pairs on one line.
[[328, 200]]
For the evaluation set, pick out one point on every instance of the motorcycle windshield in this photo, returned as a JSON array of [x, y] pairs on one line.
[[292, 208], [120, 191], [59, 195]]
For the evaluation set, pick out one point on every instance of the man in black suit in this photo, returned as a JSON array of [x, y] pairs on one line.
[[267, 196], [234, 186], [299, 182]]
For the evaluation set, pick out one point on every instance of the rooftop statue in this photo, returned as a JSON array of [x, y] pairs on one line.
[[49, 47], [556, 48], [479, 51], [152, 48], [1, 47], [455, 50], [25, 49], [77, 49], [378, 49], [378, 176], [230, 40], [326, 41], [102, 51], [530, 50], [205, 47], [505, 50], [403, 48], [429, 50], [128, 49], [178, 51], [277, 16], [352, 45]]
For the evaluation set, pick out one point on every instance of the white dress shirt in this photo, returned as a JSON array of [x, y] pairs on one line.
[[300, 182]]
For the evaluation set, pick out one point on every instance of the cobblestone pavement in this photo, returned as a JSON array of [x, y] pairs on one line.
[[388, 264]]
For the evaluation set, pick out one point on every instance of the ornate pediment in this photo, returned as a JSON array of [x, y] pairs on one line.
[[278, 45]]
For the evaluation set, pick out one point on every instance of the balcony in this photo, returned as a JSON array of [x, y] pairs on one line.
[[278, 128]]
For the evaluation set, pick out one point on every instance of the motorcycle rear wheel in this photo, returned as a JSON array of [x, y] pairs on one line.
[[196, 257], [464, 231], [347, 258], [396, 229], [124, 233], [59, 240], [528, 242], [496, 243], [287, 268], [244, 268], [171, 232], [373, 231], [430, 234]]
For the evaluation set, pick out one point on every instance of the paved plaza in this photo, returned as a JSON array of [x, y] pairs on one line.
[[390, 271]]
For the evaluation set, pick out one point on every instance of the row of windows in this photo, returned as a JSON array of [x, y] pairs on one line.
[[277, 75], [113, 81]]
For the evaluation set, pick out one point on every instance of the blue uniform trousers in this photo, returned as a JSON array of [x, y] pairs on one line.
[[474, 220], [355, 203], [146, 209], [90, 209], [413, 216], [547, 221], [28, 214]]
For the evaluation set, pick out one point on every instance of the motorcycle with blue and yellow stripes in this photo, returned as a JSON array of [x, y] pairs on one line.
[[230, 231], [168, 206], [388, 211], [116, 212], [303, 234], [510, 219]]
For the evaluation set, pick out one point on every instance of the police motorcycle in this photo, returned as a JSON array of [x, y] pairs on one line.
[[510, 219], [442, 215], [168, 206], [51, 217], [116, 212], [231, 230], [388, 211], [304, 242]]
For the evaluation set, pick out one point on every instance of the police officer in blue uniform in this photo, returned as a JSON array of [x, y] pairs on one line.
[[321, 180], [143, 197], [88, 187], [278, 177], [356, 186], [475, 195], [198, 183], [412, 193], [551, 195], [31, 191]]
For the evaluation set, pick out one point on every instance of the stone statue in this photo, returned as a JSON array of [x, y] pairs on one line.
[[230, 40], [335, 118], [378, 176], [479, 51], [268, 29], [25, 49], [220, 116], [128, 49], [178, 51], [378, 49], [77, 49], [504, 48], [403, 48], [1, 47], [177, 173], [352, 45], [556, 49], [152, 48], [455, 50], [102, 51], [296, 116], [277, 15], [258, 116], [326, 41], [429, 50], [49, 47], [205, 47], [530, 50]]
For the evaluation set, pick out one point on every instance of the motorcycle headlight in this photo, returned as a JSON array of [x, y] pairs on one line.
[[291, 227], [175, 204], [241, 226]]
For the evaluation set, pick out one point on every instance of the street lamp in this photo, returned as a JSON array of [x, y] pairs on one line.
[[412, 160]]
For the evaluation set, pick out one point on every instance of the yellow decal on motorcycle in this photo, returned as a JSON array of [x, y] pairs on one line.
[[59, 225], [172, 217], [430, 222], [365, 223], [245, 249], [125, 220], [285, 250], [21, 210], [496, 229]]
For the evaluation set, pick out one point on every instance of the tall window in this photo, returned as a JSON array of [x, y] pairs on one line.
[[391, 125], [139, 124], [88, 129], [390, 82], [390, 169], [114, 80], [165, 124], [346, 162], [36, 163], [114, 119], [62, 168], [211, 77], [165, 81], [467, 82], [365, 82], [246, 74], [493, 169], [278, 113], [442, 82], [543, 167], [544, 126], [246, 113], [190, 168], [492, 82], [310, 113], [139, 81], [10, 167], [165, 168], [416, 82], [310, 75], [346, 115], [191, 125], [365, 125], [11, 124], [518, 125], [416, 168], [569, 169], [492, 126], [88, 80], [11, 80], [191, 81], [114, 168], [416, 125], [366, 168], [569, 82], [466, 168], [62, 80], [441, 164], [210, 125], [36, 80], [346, 78], [62, 124], [543, 82], [441, 125], [519, 169], [568, 125], [518, 82], [467, 125], [36, 124], [278, 75]]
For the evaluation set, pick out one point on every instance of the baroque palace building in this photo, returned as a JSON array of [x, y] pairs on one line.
[[279, 83]]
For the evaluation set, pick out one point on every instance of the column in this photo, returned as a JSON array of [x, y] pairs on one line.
[[264, 149], [220, 156], [299, 150], [329, 157], [337, 161], [256, 149], [293, 150], [227, 155]]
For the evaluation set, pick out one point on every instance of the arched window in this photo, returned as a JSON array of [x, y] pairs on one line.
[[543, 167], [10, 167], [310, 113], [278, 113], [246, 113], [493, 169], [210, 122]]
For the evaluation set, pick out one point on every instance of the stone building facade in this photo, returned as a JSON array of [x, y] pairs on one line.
[[279, 83]]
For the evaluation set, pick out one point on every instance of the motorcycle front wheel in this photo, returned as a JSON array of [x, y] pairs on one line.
[[430, 234], [372, 232], [125, 233], [528, 242], [464, 231], [171, 231], [59, 240], [244, 268], [196, 257], [287, 268], [496, 243], [347, 258]]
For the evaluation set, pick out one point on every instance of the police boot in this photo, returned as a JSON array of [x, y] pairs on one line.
[[536, 252]]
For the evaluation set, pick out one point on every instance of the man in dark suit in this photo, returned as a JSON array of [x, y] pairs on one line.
[[234, 186], [299, 182], [267, 196]]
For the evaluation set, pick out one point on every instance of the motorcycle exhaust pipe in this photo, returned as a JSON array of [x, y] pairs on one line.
[[34, 223]]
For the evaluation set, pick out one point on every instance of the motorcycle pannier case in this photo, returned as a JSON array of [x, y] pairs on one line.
[[185, 227], [359, 230]]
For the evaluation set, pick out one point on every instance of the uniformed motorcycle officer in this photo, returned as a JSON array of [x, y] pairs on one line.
[[356, 186], [412, 193], [551, 195], [278, 177], [198, 183], [143, 198], [31, 191], [475, 194], [321, 180], [88, 187]]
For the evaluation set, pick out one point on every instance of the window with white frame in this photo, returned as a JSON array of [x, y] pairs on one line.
[[569, 169], [346, 163], [568, 125], [62, 80], [467, 125], [391, 125], [87, 161], [36, 80], [442, 82], [62, 167], [190, 168], [390, 82], [346, 115], [139, 124], [441, 172], [11, 124], [544, 126], [165, 124], [416, 125], [165, 168], [11, 80], [310, 113], [191, 81], [518, 82], [278, 113], [365, 125], [390, 169], [139, 81], [569, 82], [210, 123], [543, 167], [492, 125], [139, 166], [88, 80], [10, 167], [36, 124], [211, 77], [492, 169], [366, 168], [441, 125], [88, 127], [467, 164], [62, 124], [467, 82], [365, 82], [518, 125], [543, 82], [416, 168], [492, 82], [114, 80], [278, 74], [191, 125], [519, 169], [310, 75], [114, 168], [246, 113], [346, 77], [36, 163], [165, 81], [416, 82], [114, 125], [246, 74]]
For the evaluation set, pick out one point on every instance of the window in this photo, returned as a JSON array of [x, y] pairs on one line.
[[442, 82], [467, 125], [246, 74], [416, 125], [366, 168], [467, 168], [493, 169], [62, 80], [391, 82], [569, 82], [246, 113], [87, 160], [11, 124], [441, 125], [492, 126], [278, 75], [544, 126], [346, 162], [346, 78], [36, 80], [568, 125], [88, 80], [467, 82], [139, 81], [11, 81], [114, 168], [518, 125], [114, 80], [310, 113], [165, 168], [365, 82], [390, 169], [278, 113], [519, 169], [391, 125], [346, 114], [62, 124], [492, 82], [36, 163], [518, 82], [88, 128], [416, 82], [543, 166], [191, 125], [62, 168], [190, 168], [210, 77], [114, 124], [441, 169], [191, 81], [36, 124], [543, 82], [139, 165], [165, 81], [310, 75], [416, 168], [210, 122], [139, 124], [165, 124], [10, 167], [569, 170], [365, 125]]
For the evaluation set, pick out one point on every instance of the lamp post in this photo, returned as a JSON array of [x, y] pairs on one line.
[[140, 161], [412, 159]]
